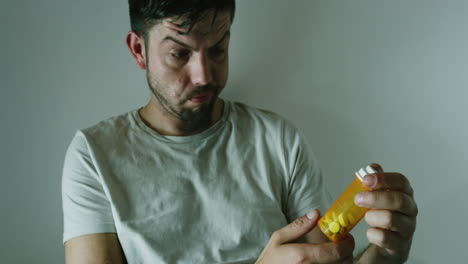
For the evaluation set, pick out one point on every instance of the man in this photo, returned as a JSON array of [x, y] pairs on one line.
[[193, 178]]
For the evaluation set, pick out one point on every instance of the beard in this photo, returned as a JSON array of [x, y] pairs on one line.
[[194, 120]]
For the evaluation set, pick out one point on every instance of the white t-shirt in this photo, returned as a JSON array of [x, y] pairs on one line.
[[214, 197]]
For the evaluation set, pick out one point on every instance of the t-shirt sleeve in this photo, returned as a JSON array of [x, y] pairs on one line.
[[86, 208], [306, 187]]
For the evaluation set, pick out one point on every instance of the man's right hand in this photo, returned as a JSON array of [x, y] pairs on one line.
[[282, 249]]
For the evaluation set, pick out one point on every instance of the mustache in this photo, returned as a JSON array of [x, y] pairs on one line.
[[201, 90]]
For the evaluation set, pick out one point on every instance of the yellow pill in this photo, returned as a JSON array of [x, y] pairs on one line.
[[342, 221], [334, 227]]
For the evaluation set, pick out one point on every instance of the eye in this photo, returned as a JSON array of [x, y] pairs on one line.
[[218, 52], [180, 55]]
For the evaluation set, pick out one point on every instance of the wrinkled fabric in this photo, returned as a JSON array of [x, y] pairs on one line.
[[214, 197]]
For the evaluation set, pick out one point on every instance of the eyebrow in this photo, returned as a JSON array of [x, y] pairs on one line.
[[185, 45]]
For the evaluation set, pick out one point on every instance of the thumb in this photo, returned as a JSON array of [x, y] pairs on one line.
[[297, 228]]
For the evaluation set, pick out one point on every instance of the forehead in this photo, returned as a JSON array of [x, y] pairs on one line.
[[206, 30]]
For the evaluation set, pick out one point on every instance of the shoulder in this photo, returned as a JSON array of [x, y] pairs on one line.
[[104, 132], [113, 124], [265, 118], [111, 127], [268, 122]]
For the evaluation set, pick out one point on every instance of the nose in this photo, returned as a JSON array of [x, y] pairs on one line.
[[200, 70]]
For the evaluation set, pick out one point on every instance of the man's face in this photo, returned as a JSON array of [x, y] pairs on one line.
[[186, 73]]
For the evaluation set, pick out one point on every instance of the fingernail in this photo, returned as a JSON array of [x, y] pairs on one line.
[[312, 215], [369, 180], [359, 199]]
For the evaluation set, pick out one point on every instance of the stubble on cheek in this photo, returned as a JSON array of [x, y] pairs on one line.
[[169, 99], [176, 91]]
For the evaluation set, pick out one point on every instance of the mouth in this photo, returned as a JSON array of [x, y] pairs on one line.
[[201, 98]]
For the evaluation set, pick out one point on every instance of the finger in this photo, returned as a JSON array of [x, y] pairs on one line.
[[388, 181], [387, 200], [377, 167], [330, 252], [393, 221], [296, 229], [388, 240]]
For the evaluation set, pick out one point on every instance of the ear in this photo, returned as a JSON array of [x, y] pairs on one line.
[[136, 45]]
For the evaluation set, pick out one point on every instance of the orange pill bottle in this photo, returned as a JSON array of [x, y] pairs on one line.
[[344, 214]]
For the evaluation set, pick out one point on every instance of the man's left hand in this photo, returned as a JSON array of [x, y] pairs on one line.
[[392, 218]]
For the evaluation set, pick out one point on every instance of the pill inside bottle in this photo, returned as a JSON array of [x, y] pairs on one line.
[[344, 214]]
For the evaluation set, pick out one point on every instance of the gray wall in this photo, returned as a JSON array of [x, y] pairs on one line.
[[367, 81]]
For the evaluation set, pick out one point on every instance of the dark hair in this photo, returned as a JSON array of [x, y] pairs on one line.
[[146, 13]]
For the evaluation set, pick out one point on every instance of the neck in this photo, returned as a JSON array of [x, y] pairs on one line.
[[154, 116]]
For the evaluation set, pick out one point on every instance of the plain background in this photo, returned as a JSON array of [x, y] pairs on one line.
[[367, 81]]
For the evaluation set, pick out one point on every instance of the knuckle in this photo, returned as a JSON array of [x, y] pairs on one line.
[[300, 257], [389, 219], [299, 222], [397, 200], [344, 251], [320, 252], [416, 209], [405, 180], [276, 236], [413, 226], [325, 253], [370, 197], [340, 252], [335, 252]]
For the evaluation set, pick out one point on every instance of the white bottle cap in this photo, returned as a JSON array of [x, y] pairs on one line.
[[363, 172]]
